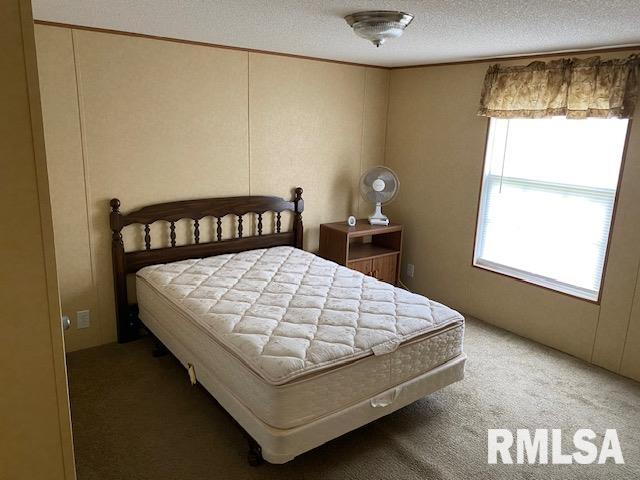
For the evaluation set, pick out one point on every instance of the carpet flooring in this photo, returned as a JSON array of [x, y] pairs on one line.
[[137, 417]]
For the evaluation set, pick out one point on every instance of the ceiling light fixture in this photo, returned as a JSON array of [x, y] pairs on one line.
[[378, 25]]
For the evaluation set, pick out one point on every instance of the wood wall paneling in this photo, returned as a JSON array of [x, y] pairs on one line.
[[154, 121], [63, 139], [159, 121], [436, 143]]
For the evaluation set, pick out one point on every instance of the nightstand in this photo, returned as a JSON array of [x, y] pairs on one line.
[[374, 250]]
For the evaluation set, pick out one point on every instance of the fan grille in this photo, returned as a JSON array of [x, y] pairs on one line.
[[391, 185]]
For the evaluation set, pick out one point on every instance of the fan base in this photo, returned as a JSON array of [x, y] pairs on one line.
[[378, 220]]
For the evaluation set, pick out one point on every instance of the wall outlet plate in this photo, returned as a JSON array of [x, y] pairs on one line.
[[83, 319], [410, 270]]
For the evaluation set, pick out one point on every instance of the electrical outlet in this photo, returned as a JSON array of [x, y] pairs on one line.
[[83, 319], [410, 270]]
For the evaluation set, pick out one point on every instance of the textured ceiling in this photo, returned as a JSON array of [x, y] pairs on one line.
[[442, 31]]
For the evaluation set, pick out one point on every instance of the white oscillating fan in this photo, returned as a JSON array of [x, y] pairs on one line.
[[379, 185]]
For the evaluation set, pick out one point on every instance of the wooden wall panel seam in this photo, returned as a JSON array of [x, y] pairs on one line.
[[595, 334], [610, 242], [362, 138], [249, 121], [86, 175], [93, 150], [626, 334], [412, 96], [386, 123]]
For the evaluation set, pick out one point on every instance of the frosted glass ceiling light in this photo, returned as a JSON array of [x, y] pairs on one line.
[[378, 25]]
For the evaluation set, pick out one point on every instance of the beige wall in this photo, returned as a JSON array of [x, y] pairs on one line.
[[436, 143], [35, 431], [149, 121]]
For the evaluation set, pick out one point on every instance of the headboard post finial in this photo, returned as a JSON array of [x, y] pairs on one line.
[[297, 220], [114, 220]]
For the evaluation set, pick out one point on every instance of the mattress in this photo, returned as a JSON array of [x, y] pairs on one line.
[[293, 336]]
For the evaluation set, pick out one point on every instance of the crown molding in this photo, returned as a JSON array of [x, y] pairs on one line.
[[201, 44], [595, 50]]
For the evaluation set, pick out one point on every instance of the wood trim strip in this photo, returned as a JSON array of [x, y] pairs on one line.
[[623, 162], [594, 50], [198, 43], [527, 282], [479, 199], [527, 56]]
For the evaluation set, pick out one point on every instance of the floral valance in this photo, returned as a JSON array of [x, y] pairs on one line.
[[575, 88]]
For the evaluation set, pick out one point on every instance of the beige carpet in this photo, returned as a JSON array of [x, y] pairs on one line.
[[137, 417]]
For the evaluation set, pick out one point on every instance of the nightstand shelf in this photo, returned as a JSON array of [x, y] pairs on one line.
[[362, 251], [372, 250]]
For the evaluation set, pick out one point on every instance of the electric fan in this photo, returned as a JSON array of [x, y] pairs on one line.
[[379, 185]]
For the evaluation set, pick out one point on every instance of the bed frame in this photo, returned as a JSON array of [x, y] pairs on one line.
[[276, 445], [127, 262]]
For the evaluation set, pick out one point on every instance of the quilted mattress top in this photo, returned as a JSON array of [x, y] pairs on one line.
[[286, 312]]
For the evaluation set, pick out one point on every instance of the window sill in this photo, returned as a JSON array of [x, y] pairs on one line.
[[538, 281]]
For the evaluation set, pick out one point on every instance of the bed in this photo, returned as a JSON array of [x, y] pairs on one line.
[[299, 350]]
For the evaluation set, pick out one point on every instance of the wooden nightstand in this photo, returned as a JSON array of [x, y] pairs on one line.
[[370, 249]]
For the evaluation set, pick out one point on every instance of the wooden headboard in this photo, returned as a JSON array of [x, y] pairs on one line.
[[195, 210]]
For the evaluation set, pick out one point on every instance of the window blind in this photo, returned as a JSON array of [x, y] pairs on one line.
[[546, 205]]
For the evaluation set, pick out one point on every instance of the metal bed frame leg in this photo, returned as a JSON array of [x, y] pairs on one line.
[[254, 455], [159, 350]]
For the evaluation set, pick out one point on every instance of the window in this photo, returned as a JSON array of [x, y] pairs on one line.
[[548, 192]]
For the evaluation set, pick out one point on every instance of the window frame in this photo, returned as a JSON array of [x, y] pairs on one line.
[[526, 277]]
